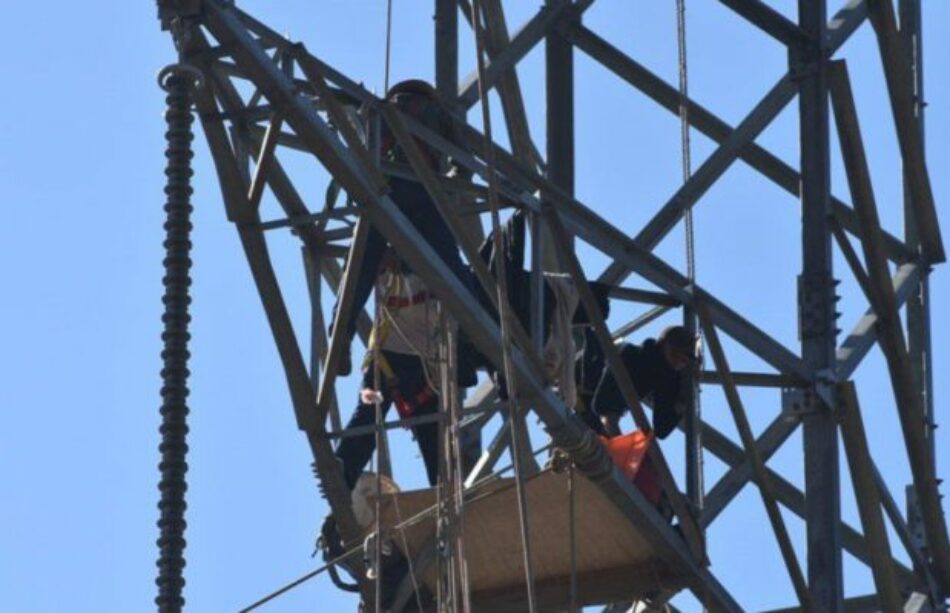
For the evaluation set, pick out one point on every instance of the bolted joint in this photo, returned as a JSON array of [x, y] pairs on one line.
[[797, 402], [806, 59], [816, 307]]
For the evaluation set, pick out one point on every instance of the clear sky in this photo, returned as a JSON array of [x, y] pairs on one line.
[[81, 172]]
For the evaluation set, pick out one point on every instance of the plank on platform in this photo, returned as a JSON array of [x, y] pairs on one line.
[[614, 561]]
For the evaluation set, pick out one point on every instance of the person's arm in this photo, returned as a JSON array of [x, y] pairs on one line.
[[608, 401], [670, 405]]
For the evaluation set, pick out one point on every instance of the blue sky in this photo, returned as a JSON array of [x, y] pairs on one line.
[[81, 259]]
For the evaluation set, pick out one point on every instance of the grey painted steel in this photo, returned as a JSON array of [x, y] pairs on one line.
[[559, 92], [845, 22], [644, 296], [709, 124], [754, 379], [234, 188], [338, 340], [582, 222], [868, 497], [857, 345], [509, 87], [850, 353], [588, 226], [525, 187], [754, 459], [446, 50], [851, 257], [791, 498], [817, 313], [318, 332], [918, 307], [523, 41], [264, 159], [899, 80], [909, 402], [730, 484], [900, 526], [769, 20], [641, 321]]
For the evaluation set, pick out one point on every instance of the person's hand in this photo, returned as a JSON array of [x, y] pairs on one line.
[[370, 396]]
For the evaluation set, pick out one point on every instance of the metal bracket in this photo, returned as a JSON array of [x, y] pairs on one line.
[[816, 300], [803, 61], [826, 388], [798, 402], [915, 523]]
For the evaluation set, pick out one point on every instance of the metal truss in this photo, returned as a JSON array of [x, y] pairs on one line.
[[296, 90]]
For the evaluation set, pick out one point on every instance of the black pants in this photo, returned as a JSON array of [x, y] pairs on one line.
[[355, 451]]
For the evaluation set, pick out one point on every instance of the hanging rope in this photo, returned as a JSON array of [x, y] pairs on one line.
[[573, 534], [502, 298], [405, 547], [328, 566], [692, 323], [378, 420], [453, 463], [178, 81], [389, 35], [684, 132]]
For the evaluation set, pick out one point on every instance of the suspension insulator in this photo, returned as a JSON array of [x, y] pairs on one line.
[[178, 81]]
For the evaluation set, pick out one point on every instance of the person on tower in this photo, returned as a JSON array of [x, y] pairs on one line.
[[406, 344], [659, 370]]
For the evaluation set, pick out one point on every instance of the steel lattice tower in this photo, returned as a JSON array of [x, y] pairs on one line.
[[296, 90]]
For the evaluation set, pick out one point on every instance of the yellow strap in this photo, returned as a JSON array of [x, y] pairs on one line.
[[383, 327]]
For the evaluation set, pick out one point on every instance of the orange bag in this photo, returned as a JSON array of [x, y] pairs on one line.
[[629, 453]]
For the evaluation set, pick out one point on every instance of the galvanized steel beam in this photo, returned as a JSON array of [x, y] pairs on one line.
[[817, 312], [890, 331], [868, 497]]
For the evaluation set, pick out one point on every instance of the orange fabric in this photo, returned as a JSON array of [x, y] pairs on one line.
[[629, 453]]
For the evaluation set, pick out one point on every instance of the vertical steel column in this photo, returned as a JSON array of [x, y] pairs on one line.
[[446, 84], [918, 305], [559, 70], [817, 312], [447, 51], [178, 81], [559, 143]]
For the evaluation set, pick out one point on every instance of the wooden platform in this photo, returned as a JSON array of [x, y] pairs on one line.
[[614, 561]]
